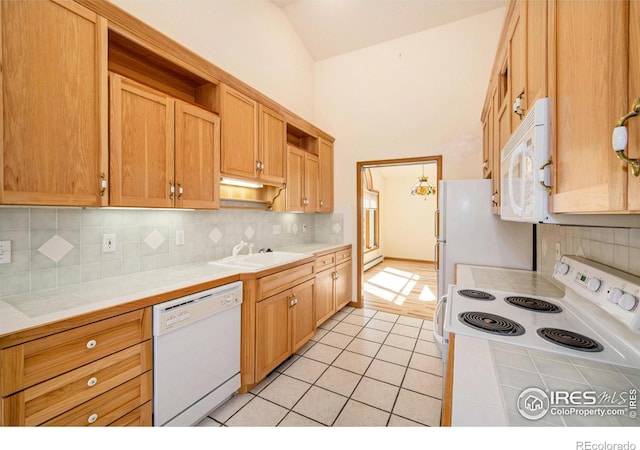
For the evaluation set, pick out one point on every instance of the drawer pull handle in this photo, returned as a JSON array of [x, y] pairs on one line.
[[92, 381], [92, 343], [92, 418]]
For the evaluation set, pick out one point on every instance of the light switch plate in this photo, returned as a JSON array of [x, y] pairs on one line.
[[5, 252], [179, 237]]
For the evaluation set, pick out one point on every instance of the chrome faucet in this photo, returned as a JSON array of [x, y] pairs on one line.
[[237, 248]]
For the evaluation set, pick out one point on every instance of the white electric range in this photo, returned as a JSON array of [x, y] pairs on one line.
[[496, 370], [598, 318]]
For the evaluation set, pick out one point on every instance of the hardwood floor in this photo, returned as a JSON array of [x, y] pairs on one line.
[[401, 287]]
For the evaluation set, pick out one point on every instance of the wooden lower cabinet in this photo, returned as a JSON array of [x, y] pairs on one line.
[[139, 417], [284, 323], [94, 374], [273, 333], [110, 406], [333, 283]]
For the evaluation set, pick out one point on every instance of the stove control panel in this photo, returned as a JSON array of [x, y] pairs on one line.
[[612, 290]]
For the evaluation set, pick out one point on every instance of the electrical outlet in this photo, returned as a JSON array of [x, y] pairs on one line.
[[5, 252], [108, 242], [558, 252], [179, 237], [304, 227]]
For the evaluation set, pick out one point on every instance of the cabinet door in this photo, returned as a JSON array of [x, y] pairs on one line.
[[536, 20], [633, 125], [517, 66], [197, 150], [588, 176], [325, 305], [487, 142], [239, 115], [311, 182], [54, 85], [142, 145], [303, 322], [325, 160], [273, 333], [343, 284], [295, 179], [272, 146], [495, 179]]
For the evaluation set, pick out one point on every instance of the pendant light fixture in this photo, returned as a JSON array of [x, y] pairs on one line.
[[423, 187]]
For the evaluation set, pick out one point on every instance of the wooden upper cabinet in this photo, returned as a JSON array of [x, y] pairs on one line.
[[536, 51], [527, 57], [589, 45], [142, 145], [295, 180], [302, 181], [311, 183], [239, 151], [325, 176], [271, 162], [517, 67], [633, 125], [164, 152], [197, 147], [54, 88]]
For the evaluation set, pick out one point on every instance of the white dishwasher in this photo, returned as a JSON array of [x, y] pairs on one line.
[[196, 354]]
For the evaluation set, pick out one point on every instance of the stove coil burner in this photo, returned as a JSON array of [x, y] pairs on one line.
[[476, 295], [533, 304], [570, 339], [490, 323]]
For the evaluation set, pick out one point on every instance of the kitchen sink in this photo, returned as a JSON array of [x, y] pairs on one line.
[[257, 261]]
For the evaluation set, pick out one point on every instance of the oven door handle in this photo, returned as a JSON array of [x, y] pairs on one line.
[[438, 319]]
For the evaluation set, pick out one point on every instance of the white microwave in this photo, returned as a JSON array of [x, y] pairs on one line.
[[524, 169]]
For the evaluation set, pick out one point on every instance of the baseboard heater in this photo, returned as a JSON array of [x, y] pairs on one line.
[[372, 263]]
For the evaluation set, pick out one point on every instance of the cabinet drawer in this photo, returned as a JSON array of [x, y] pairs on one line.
[[46, 400], [39, 360], [325, 261], [343, 255], [278, 282], [139, 417], [110, 406]]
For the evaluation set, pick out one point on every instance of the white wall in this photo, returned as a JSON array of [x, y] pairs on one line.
[[415, 96], [250, 39]]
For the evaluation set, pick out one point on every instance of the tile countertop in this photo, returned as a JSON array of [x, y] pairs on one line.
[[489, 376], [20, 312]]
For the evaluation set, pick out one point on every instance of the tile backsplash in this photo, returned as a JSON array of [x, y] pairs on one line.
[[54, 247], [615, 247]]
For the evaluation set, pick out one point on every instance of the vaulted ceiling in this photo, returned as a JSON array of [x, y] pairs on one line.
[[332, 27]]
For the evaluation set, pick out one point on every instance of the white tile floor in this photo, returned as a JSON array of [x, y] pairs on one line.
[[362, 368]]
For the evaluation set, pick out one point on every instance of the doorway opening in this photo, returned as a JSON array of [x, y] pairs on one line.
[[396, 201]]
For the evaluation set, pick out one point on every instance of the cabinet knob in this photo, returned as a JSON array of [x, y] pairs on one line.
[[321, 203], [92, 418], [92, 381], [92, 343]]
